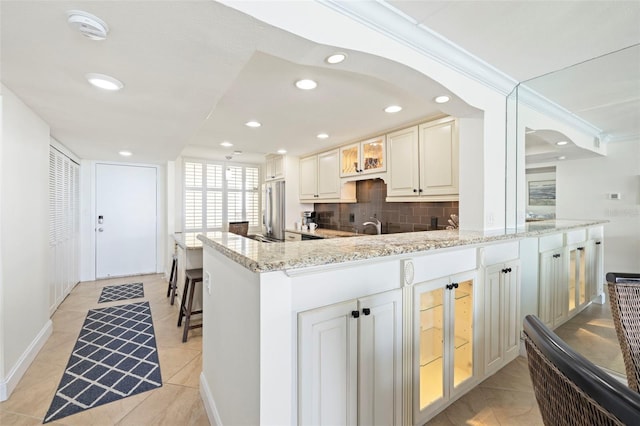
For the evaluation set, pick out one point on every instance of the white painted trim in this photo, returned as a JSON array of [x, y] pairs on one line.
[[63, 149], [8, 385], [396, 25], [209, 403]]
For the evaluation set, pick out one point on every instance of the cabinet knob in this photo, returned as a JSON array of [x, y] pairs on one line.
[[420, 190], [508, 269], [415, 190], [355, 314], [455, 285], [580, 248], [366, 311], [504, 271], [598, 243]]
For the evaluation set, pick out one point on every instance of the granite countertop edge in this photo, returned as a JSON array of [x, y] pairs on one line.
[[267, 257]]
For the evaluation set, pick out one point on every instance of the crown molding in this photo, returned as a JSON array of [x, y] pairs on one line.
[[396, 25]]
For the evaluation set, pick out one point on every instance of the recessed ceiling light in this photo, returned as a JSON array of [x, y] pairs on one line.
[[562, 157], [393, 108], [103, 81], [252, 124], [442, 99], [336, 58], [282, 151], [560, 143], [125, 153], [322, 136], [306, 84], [237, 152], [226, 144]]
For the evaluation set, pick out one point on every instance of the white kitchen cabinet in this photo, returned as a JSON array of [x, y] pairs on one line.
[[363, 157], [320, 179], [423, 162], [578, 255], [443, 342], [553, 288], [350, 362], [274, 167], [501, 290]]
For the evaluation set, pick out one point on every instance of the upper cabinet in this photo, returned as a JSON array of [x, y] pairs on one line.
[[423, 162], [363, 157], [320, 179], [274, 167]]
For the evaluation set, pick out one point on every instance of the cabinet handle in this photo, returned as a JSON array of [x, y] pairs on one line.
[[598, 243], [420, 190], [415, 190], [580, 248], [556, 255], [504, 271], [508, 269], [455, 285], [355, 314], [449, 286], [366, 311]]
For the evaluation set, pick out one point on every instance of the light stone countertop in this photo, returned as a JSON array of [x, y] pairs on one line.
[[265, 257], [188, 241]]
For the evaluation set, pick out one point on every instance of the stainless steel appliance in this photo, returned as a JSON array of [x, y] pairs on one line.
[[273, 210], [308, 217]]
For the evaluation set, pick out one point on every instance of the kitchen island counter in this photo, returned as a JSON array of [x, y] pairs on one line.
[[323, 233], [263, 257]]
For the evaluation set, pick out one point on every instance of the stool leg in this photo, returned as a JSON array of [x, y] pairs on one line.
[[187, 318], [184, 299], [171, 277], [174, 283]]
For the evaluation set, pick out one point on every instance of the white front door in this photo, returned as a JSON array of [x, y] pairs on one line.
[[125, 220]]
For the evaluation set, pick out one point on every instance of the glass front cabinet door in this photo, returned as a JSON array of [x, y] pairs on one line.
[[363, 157], [443, 352]]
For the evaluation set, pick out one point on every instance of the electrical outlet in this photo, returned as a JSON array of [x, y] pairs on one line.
[[352, 217], [207, 281]]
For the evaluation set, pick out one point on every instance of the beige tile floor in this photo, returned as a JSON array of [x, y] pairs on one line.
[[177, 402], [506, 398]]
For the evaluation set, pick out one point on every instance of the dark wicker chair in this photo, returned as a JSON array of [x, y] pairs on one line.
[[571, 390], [624, 299]]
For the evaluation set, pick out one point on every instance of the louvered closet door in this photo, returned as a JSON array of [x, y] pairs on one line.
[[64, 219], [126, 238]]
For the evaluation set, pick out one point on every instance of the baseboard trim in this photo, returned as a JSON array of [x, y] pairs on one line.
[[8, 384], [209, 403]]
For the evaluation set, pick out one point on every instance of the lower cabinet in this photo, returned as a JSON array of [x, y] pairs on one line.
[[443, 342], [350, 362], [553, 288], [501, 291]]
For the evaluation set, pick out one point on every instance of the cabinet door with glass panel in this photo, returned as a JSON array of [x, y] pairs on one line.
[[363, 157], [443, 351]]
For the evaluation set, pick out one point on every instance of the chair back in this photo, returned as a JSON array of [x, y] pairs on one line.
[[570, 389], [624, 299], [240, 228]]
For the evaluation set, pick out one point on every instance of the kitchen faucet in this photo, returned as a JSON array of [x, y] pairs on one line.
[[377, 224]]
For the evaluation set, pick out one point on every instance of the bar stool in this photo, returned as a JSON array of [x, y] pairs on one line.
[[173, 279], [192, 277]]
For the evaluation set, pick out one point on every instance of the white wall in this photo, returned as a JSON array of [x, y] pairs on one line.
[[582, 188], [24, 227]]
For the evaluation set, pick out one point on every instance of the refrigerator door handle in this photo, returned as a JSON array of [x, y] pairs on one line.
[[268, 211]]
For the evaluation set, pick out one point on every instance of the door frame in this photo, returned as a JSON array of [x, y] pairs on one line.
[[88, 199]]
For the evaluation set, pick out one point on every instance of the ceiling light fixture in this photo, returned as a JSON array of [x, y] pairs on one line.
[[393, 109], [322, 136], [562, 157], [282, 151], [125, 153], [87, 24], [442, 99], [560, 143], [226, 144], [306, 84], [104, 81], [252, 124], [237, 152], [336, 58]]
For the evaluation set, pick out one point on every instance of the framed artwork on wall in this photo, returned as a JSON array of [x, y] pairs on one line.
[[542, 193]]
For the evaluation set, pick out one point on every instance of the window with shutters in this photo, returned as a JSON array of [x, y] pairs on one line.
[[218, 193]]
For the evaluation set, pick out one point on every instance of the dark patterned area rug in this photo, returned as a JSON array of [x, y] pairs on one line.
[[121, 292], [115, 357]]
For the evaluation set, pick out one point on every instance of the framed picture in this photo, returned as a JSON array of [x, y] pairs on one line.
[[542, 193]]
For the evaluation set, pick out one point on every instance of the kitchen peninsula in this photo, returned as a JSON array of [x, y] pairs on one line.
[[386, 329]]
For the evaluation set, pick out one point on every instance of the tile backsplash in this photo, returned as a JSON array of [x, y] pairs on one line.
[[395, 217]]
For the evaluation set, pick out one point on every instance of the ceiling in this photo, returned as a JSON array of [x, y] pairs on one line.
[[196, 71]]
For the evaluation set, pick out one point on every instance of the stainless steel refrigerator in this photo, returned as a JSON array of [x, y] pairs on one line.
[[273, 210]]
